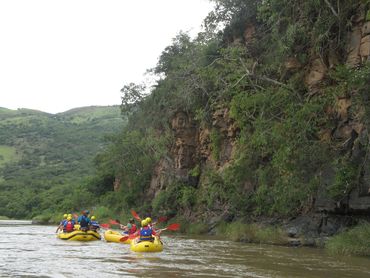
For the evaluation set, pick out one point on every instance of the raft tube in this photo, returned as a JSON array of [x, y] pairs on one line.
[[147, 246], [80, 236], [113, 236]]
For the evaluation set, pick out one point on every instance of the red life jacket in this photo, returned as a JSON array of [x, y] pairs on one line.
[[69, 226], [132, 230]]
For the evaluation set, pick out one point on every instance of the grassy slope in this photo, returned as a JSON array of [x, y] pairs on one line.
[[43, 152]]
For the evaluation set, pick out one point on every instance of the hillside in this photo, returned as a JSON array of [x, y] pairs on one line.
[[44, 158]]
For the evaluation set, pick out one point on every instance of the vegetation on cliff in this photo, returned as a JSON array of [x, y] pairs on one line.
[[278, 69]]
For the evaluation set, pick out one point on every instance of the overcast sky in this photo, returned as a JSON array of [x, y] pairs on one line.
[[58, 55]]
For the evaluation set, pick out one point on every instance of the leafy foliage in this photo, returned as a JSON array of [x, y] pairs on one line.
[[47, 158]]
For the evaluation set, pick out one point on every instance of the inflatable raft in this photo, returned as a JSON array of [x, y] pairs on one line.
[[147, 246], [80, 236], [113, 236]]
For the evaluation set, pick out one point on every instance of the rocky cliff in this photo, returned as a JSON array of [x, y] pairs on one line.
[[197, 147]]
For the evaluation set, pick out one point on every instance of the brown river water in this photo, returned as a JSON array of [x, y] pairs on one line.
[[34, 251]]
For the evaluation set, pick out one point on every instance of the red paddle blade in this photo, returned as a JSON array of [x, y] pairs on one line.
[[135, 215], [105, 226], [124, 238], [162, 219], [113, 222], [173, 227]]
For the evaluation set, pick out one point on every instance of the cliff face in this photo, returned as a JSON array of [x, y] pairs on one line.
[[194, 147]]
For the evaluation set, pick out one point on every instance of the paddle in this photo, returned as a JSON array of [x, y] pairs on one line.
[[114, 222], [172, 227], [135, 215], [105, 225], [124, 238]]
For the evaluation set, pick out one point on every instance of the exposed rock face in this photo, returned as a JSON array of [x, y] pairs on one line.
[[316, 74], [359, 41], [184, 149], [162, 176]]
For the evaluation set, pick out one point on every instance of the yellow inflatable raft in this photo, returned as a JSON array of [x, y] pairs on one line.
[[80, 236], [147, 246], [113, 236]]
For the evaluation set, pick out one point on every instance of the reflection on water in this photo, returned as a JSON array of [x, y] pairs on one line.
[[34, 251]]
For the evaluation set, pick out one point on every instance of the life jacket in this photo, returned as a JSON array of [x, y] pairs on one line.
[[84, 221], [133, 229], [94, 225], [146, 233], [68, 227]]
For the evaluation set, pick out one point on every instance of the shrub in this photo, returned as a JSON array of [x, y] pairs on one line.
[[355, 241]]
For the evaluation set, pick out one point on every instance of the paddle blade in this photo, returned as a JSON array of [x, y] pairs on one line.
[[113, 222], [105, 225], [124, 238], [135, 215], [173, 227], [162, 219]]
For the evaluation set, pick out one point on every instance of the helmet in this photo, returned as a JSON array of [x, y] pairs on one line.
[[87, 211], [69, 218], [93, 217], [144, 223], [69, 215], [65, 216], [148, 219]]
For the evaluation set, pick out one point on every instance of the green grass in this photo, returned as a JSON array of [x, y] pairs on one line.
[[355, 241], [254, 233], [7, 154]]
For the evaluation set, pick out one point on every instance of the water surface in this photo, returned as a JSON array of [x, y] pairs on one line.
[[34, 251]]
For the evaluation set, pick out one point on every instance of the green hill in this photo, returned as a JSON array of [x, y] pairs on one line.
[[44, 158]]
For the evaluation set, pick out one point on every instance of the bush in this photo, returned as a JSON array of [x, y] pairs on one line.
[[238, 231], [355, 241]]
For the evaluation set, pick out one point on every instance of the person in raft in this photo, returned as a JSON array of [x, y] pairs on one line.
[[61, 223], [69, 225], [146, 232], [84, 220], [150, 224], [94, 225], [130, 228]]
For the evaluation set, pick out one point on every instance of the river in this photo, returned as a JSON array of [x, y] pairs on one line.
[[34, 251]]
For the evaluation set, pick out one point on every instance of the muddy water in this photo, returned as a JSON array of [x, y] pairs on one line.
[[34, 251]]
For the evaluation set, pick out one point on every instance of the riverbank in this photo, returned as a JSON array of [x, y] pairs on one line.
[[349, 237]]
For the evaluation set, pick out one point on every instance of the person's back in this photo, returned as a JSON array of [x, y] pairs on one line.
[[94, 225], [68, 225], [146, 232], [84, 221]]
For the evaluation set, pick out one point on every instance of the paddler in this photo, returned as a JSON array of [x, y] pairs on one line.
[[84, 220], [146, 232], [68, 225], [94, 225], [61, 223], [130, 228]]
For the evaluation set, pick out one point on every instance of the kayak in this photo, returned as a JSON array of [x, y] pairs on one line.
[[113, 236], [147, 246], [80, 236]]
